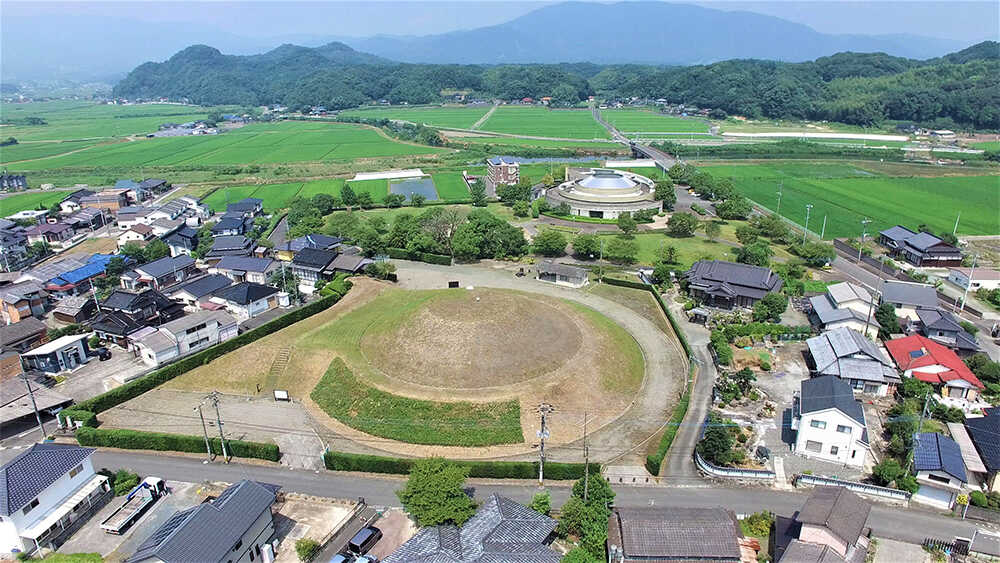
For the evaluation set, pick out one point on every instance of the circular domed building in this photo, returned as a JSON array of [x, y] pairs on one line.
[[603, 193]]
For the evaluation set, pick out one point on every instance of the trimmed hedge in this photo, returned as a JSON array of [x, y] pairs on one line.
[[653, 461], [87, 418], [137, 440], [723, 353], [338, 461], [143, 384], [403, 254]]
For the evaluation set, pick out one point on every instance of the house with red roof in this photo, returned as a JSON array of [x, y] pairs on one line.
[[930, 362]]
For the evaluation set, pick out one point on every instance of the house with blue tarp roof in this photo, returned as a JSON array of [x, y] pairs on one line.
[[79, 279]]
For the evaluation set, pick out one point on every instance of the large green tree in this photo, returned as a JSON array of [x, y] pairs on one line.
[[434, 493], [549, 242]]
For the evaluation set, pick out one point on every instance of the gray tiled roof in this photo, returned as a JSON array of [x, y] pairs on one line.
[[245, 263], [553, 267], [501, 531], [847, 353], [733, 278], [828, 313], [22, 478], [245, 293], [674, 533], [909, 293], [203, 286], [314, 258], [841, 511], [899, 233], [12, 333], [166, 265], [936, 452], [208, 531], [829, 392], [804, 552]]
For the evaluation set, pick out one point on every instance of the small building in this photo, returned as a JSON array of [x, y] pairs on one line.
[[312, 265], [830, 528], [930, 362], [920, 249], [13, 182], [75, 309], [54, 234], [160, 274], [87, 219], [184, 336], [830, 423], [237, 526], [125, 313], [44, 491], [138, 233], [183, 241], [846, 354], [232, 224], [24, 335], [907, 297], [71, 202], [73, 276], [845, 305], [62, 354], [561, 274], [983, 432], [677, 534], [937, 460], [502, 171], [245, 268], [718, 283], [248, 207], [973, 280], [944, 328], [19, 301], [112, 200], [229, 246], [501, 530], [154, 185], [349, 264], [287, 250], [197, 291], [126, 217], [246, 300]]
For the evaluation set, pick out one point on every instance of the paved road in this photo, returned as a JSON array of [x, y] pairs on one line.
[[679, 465], [896, 523]]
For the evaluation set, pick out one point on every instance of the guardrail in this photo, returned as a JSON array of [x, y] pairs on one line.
[[861, 488], [732, 472]]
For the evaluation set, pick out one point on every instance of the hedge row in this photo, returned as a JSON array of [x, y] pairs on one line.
[[733, 331], [653, 461], [663, 307], [338, 461], [723, 353], [86, 418], [403, 254], [143, 384], [137, 440]]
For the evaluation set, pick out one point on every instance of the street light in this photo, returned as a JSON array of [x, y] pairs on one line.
[[864, 233], [806, 229]]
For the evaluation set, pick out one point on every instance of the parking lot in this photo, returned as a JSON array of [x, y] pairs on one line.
[[96, 376]]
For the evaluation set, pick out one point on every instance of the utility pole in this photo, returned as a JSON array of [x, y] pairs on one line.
[[822, 232], [806, 229], [864, 233], [972, 273], [871, 307], [544, 410], [781, 186], [586, 460], [923, 412], [214, 397], [204, 428], [955, 230], [31, 393]]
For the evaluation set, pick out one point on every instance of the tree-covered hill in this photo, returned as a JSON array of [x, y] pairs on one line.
[[961, 89]]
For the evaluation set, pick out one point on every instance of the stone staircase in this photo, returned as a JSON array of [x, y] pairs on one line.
[[277, 368]]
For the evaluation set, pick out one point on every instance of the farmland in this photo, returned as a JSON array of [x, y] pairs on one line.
[[643, 121], [32, 200], [73, 120], [542, 122], [458, 117], [540, 143], [40, 149]]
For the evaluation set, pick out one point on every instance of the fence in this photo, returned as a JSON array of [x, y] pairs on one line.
[[732, 472], [957, 547], [979, 513], [860, 488]]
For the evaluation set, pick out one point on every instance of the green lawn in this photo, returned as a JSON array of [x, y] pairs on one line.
[[377, 188], [689, 250], [645, 121], [458, 117], [450, 185], [19, 202], [543, 122]]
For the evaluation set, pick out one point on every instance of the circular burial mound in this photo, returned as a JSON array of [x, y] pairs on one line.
[[475, 339]]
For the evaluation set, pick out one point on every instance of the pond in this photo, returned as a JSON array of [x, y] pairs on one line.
[[410, 186]]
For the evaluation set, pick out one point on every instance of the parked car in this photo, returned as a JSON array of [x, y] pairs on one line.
[[364, 540], [102, 353], [342, 558]]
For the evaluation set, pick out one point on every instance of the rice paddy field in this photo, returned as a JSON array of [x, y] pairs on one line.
[[541, 143], [458, 117], [644, 121], [543, 122], [987, 145], [31, 200], [75, 120]]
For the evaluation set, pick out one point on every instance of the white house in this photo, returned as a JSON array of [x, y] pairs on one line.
[[43, 491], [981, 278], [846, 305], [245, 268], [829, 423], [184, 336], [246, 300], [62, 354], [137, 233], [937, 459]]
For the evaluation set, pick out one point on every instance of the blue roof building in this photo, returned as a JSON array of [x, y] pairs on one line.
[[937, 459]]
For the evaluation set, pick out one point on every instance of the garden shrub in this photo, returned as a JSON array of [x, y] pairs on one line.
[[340, 461], [138, 440], [403, 254]]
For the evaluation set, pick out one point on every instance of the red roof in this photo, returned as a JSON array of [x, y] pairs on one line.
[[915, 352]]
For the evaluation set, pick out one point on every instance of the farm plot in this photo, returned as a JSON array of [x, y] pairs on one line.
[[542, 122], [331, 187], [377, 188], [792, 169], [66, 120], [32, 200], [642, 121], [451, 186], [458, 117], [32, 150], [409, 187]]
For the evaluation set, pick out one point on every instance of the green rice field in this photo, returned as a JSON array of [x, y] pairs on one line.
[[987, 145], [451, 185], [543, 122], [791, 169], [458, 117], [31, 200], [40, 149], [74, 120], [541, 143], [644, 121]]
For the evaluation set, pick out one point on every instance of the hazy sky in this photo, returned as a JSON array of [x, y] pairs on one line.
[[967, 21]]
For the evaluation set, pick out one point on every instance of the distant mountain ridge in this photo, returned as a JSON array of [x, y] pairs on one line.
[[640, 32]]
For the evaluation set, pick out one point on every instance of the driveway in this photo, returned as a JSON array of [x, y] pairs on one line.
[[96, 376]]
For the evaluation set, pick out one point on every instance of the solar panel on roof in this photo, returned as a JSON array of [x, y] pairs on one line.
[[916, 354]]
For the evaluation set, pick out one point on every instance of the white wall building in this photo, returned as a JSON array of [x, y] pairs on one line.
[[184, 336], [829, 423], [981, 278]]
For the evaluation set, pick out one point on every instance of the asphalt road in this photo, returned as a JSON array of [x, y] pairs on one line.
[[909, 525]]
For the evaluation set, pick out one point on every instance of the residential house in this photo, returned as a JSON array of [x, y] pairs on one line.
[[983, 432], [232, 224], [229, 246], [73, 276], [10, 367], [830, 528], [944, 328], [23, 336], [184, 336], [246, 300], [500, 530], [111, 200], [54, 234], [286, 251], [937, 460], [32, 216], [44, 490], [249, 207], [349, 264], [920, 357], [13, 245], [136, 234], [235, 527], [160, 274], [13, 182], [154, 185], [829, 422], [677, 534], [169, 210], [71, 202], [129, 216], [199, 290], [194, 205], [847, 354], [62, 354], [182, 241], [728, 284], [847, 305], [86, 219], [163, 227], [134, 191], [75, 309], [311, 265], [919, 249], [561, 274], [245, 268], [19, 301], [124, 313], [973, 280], [907, 297]]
